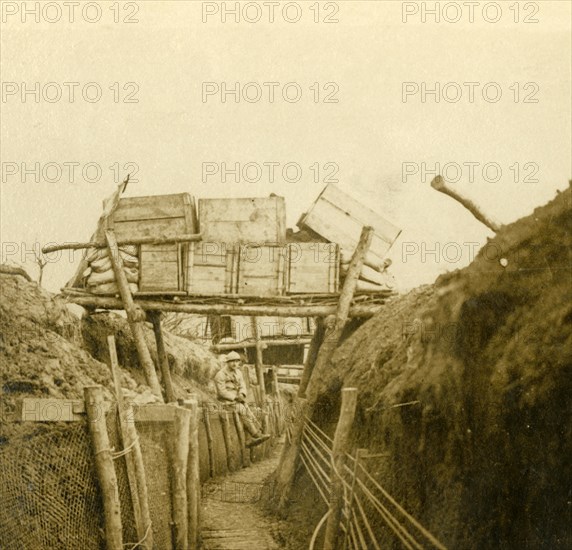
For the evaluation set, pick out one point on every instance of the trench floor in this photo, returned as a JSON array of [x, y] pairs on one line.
[[232, 517]]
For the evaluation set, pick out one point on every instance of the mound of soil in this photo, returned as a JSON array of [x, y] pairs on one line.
[[49, 348], [466, 386]]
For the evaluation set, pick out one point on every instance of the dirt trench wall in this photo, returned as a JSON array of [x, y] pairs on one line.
[[466, 385]]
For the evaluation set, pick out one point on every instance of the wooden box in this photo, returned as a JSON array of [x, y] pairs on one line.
[[161, 266], [253, 220], [154, 216], [211, 268], [261, 270], [313, 268], [339, 218]]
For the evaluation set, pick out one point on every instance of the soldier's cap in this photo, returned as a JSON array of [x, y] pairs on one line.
[[232, 356]]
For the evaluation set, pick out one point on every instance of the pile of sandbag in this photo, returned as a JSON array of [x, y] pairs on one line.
[[99, 277]]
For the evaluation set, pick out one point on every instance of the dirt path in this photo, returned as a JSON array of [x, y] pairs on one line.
[[231, 513]]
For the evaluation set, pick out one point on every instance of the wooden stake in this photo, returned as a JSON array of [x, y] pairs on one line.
[[259, 361], [333, 331], [181, 428], [162, 356], [209, 434], [135, 315], [135, 457], [193, 476], [104, 466], [340, 448], [125, 440]]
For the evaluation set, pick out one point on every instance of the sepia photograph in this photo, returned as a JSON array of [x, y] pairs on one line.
[[286, 275]]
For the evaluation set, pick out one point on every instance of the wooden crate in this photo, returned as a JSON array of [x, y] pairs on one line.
[[252, 220], [339, 218], [211, 268], [161, 267], [313, 268], [154, 216], [261, 270]]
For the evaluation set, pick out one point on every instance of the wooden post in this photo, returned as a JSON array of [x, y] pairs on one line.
[[181, 426], [162, 356], [340, 448], [274, 373], [209, 434], [223, 415], [317, 339], [259, 361], [193, 476], [135, 315], [333, 331], [104, 466], [241, 439], [126, 440]]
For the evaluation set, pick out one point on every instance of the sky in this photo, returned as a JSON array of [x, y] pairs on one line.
[[353, 104]]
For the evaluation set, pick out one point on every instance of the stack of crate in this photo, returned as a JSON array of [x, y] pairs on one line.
[[243, 250]]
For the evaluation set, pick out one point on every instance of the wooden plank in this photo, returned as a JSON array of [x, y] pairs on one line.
[[161, 253], [166, 227], [36, 409], [148, 207]]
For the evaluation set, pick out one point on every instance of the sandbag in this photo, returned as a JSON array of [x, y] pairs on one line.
[[108, 276]]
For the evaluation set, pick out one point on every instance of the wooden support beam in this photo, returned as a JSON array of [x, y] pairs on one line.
[[104, 467], [315, 344], [265, 344], [340, 448], [162, 356], [193, 477], [259, 360], [333, 331], [125, 440], [135, 315], [303, 310], [186, 238], [181, 429]]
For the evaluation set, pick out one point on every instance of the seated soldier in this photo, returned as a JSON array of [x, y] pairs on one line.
[[231, 391]]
